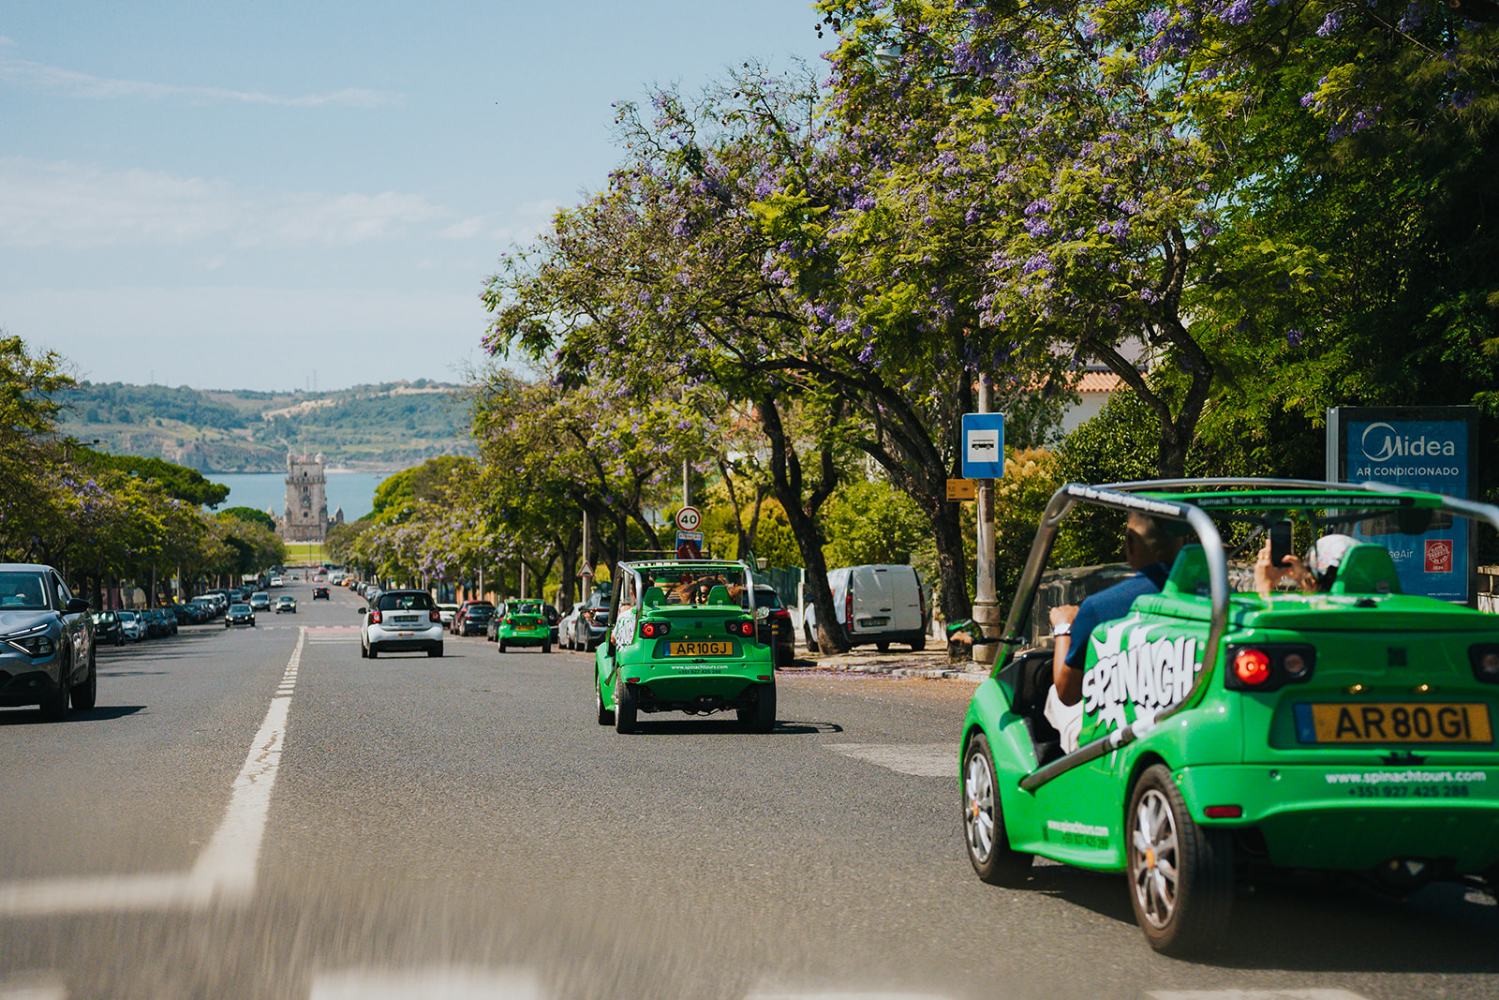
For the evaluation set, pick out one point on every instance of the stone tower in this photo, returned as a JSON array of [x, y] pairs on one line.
[[306, 517]]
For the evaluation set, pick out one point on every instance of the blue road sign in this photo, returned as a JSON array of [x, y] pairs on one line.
[[983, 445]]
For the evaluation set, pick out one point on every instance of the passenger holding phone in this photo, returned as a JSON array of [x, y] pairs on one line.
[[1313, 575]]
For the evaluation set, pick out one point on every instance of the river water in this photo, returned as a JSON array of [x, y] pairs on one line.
[[353, 491]]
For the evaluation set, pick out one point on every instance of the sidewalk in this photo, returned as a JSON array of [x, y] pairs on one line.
[[929, 664]]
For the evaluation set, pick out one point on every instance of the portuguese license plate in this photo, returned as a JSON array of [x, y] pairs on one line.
[[701, 649], [1394, 722]]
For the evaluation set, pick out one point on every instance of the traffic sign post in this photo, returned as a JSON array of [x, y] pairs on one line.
[[689, 518], [689, 545], [983, 453], [983, 445]]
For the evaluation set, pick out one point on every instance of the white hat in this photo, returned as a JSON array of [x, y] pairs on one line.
[[1327, 552]]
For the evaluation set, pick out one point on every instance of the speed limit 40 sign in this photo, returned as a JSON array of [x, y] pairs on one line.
[[688, 518]]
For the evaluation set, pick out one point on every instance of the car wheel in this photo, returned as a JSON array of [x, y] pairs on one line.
[[883, 647], [374, 653], [1181, 874], [605, 716], [761, 716], [918, 645], [546, 647], [84, 695], [55, 706], [984, 833], [435, 652], [811, 642], [624, 709]]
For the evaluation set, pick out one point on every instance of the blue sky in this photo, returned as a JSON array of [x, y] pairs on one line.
[[237, 195]]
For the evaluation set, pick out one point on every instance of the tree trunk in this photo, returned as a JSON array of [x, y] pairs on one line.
[[952, 562]]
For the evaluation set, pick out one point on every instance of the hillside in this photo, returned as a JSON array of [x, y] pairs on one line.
[[374, 427]]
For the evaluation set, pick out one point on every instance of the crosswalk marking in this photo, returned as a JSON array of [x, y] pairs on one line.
[[924, 760]]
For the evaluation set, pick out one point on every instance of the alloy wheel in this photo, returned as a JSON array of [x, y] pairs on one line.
[[1154, 858]]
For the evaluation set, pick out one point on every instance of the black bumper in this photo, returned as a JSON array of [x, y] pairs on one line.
[[29, 687]]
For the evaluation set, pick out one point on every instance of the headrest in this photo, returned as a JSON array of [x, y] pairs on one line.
[[719, 595], [653, 597], [1189, 574], [1366, 569]]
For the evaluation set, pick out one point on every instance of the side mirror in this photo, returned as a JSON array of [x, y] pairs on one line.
[[76, 606]]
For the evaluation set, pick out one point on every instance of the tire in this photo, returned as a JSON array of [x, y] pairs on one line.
[[374, 653], [435, 653], [811, 642], [55, 705], [984, 835], [605, 716], [1182, 906], [761, 717], [546, 647], [502, 646], [883, 647], [917, 645], [84, 695], [624, 709]]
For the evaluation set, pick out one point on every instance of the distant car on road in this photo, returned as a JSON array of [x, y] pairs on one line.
[[277, 581], [46, 642], [401, 621], [239, 614], [286, 603], [591, 624], [321, 594], [131, 626], [472, 617], [260, 601], [522, 623]]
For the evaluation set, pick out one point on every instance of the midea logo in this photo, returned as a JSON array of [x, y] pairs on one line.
[[1381, 442]]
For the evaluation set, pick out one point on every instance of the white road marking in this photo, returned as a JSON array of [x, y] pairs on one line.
[[778, 994], [447, 982], [26, 987], [925, 760], [225, 870], [1310, 994]]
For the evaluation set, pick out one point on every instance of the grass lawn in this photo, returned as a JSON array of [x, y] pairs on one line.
[[305, 553]]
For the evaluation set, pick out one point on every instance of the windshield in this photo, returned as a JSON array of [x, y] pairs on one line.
[[237, 609], [405, 602], [126, 616], [22, 592]]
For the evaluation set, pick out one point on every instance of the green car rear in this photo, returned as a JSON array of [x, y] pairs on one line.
[[1350, 730], [523, 623], [684, 639]]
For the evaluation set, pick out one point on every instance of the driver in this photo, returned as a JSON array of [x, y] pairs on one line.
[[1150, 550]]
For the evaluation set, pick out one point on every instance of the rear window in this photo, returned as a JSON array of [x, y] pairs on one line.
[[766, 597], [405, 602]]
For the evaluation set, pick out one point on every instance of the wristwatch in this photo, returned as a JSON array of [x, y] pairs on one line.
[[1061, 628]]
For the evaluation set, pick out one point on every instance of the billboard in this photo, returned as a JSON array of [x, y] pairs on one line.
[[1422, 448]]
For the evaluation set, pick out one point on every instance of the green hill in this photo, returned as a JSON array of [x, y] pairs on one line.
[[387, 426]]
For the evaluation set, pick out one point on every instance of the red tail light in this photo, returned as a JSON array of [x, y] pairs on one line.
[[1252, 667], [848, 609], [781, 613], [745, 628], [1223, 812], [374, 618], [434, 615], [654, 630], [509, 621]]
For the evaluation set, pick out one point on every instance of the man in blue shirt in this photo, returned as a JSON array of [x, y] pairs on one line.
[[1150, 550]]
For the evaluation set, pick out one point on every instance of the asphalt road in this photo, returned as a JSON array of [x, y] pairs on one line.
[[264, 814]]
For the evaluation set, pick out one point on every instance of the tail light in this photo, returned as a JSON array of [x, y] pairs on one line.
[[434, 615], [1485, 660], [1268, 667], [374, 618], [654, 630], [848, 609], [745, 628], [509, 620], [780, 614]]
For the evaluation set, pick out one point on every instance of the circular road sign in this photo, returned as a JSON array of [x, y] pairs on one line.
[[688, 518]]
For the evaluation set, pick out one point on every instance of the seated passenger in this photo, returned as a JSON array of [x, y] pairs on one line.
[[1150, 550], [1313, 575]]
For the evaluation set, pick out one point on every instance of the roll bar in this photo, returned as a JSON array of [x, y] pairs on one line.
[[1122, 497]]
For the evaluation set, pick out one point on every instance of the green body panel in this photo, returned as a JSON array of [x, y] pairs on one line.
[[644, 662], [1348, 807]]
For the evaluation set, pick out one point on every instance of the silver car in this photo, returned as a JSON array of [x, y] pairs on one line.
[[46, 642], [401, 621]]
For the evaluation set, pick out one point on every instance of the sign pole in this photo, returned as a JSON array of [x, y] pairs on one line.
[[986, 604]]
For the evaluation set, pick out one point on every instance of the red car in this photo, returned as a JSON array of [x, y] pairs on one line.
[[472, 618]]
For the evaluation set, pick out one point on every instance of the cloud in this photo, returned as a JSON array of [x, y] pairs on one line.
[[60, 204], [72, 83], [526, 221]]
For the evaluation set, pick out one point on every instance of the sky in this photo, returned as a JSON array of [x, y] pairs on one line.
[[257, 195]]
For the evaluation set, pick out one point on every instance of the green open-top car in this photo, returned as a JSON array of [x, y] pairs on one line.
[[1348, 727], [522, 623], [683, 639]]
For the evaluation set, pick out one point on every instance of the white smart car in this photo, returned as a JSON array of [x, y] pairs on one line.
[[401, 621]]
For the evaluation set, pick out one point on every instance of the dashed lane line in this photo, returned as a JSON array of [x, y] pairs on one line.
[[448, 982], [225, 870], [924, 760]]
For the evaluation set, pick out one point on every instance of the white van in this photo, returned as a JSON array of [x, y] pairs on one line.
[[876, 604]]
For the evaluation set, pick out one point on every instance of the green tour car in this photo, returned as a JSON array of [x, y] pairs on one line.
[[1346, 727], [683, 639], [523, 623]]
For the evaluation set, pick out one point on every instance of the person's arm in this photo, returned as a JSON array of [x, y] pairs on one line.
[[1067, 680]]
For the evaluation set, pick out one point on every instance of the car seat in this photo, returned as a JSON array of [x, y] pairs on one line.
[[1189, 574], [719, 595], [1366, 569], [1028, 676], [653, 597]]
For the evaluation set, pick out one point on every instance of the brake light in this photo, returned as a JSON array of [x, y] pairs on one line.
[[780, 613], [745, 628], [848, 609], [434, 615], [1485, 661], [1252, 667], [374, 618], [654, 630]]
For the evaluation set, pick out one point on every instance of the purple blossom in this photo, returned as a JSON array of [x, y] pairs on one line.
[[1039, 228], [1293, 337], [864, 203], [1037, 262], [866, 356], [1412, 18], [1238, 13], [1038, 207], [1331, 24]]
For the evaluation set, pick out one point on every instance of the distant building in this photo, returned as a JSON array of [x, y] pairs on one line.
[[1093, 387], [306, 517]]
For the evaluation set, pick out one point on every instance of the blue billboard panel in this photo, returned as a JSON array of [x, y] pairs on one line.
[[1422, 454]]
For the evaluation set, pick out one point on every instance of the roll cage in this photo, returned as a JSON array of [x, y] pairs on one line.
[[633, 572], [1124, 497]]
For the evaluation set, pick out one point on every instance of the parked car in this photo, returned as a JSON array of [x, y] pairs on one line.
[[46, 642], [260, 601], [277, 581], [286, 603], [592, 622], [107, 629], [568, 625], [188, 614], [447, 612], [472, 617], [876, 605], [239, 614], [401, 621], [131, 626], [776, 629], [321, 594]]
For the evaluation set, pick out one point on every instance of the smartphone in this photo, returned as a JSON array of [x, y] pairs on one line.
[[1280, 543]]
